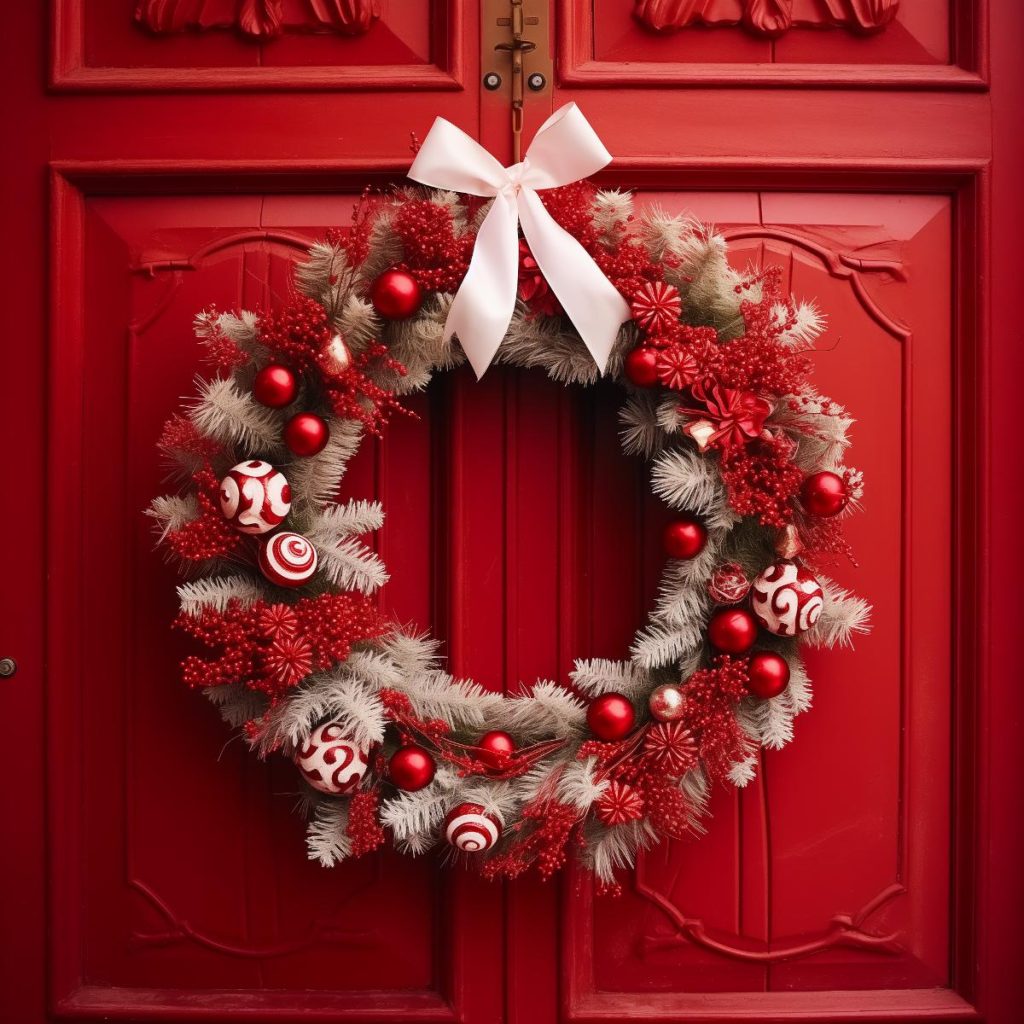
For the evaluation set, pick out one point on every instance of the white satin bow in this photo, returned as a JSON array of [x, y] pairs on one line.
[[564, 150]]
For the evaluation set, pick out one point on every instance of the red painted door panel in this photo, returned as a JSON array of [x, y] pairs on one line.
[[153, 870]]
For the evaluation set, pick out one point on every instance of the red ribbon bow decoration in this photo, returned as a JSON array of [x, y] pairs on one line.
[[733, 417]]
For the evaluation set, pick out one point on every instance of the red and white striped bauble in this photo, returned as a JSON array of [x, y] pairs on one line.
[[287, 559], [255, 497], [330, 761], [786, 599], [469, 828]]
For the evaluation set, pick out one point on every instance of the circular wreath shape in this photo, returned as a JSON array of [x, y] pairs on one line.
[[279, 582]]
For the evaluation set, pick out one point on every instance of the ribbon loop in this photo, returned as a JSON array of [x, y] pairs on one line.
[[565, 149]]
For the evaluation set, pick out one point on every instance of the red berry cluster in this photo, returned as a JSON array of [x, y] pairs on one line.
[[180, 436], [761, 479], [435, 256], [272, 648], [209, 535], [300, 333], [364, 829], [547, 826], [709, 713]]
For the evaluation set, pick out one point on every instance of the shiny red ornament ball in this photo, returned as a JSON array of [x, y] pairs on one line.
[[610, 716], [824, 494], [685, 537], [641, 367], [732, 630], [496, 747], [306, 434], [728, 584], [768, 674], [396, 295], [411, 768], [275, 386]]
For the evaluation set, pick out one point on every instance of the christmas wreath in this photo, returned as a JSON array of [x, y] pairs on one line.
[[279, 590]]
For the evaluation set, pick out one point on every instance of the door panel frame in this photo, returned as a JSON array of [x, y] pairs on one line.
[[73, 182]]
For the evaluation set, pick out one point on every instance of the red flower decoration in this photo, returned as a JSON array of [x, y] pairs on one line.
[[534, 289], [676, 367], [289, 660], [671, 747], [737, 416], [618, 804], [656, 306], [278, 620]]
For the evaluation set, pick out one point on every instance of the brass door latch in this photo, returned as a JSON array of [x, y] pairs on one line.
[[504, 31]]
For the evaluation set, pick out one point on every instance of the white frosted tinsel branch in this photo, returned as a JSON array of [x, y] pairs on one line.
[[217, 592], [843, 616], [233, 417], [326, 841]]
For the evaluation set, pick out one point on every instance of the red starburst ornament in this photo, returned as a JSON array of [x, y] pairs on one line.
[[676, 367], [289, 660], [656, 306], [671, 748], [278, 620], [618, 804], [736, 416]]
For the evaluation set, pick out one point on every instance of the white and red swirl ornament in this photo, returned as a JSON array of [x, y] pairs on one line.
[[470, 829], [786, 599], [255, 497], [287, 559], [330, 761]]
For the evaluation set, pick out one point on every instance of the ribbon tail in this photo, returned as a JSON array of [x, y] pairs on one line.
[[483, 306], [589, 299]]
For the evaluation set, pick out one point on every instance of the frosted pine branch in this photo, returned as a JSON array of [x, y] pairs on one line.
[[412, 652], [688, 482], [216, 592], [549, 710], [414, 818], [350, 565], [612, 212], [236, 703], [800, 690], [352, 518], [338, 697], [172, 512], [614, 849], [315, 480], [357, 322], [239, 328], [743, 772], [326, 841], [374, 669], [600, 675], [459, 702], [577, 785], [231, 416], [843, 616], [641, 433], [807, 327]]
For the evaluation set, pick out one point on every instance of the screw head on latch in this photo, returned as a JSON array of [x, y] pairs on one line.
[[492, 80], [536, 81], [8, 666]]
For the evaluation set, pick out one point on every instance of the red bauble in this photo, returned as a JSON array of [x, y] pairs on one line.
[[275, 386], [732, 630], [496, 747], [306, 434], [610, 716], [684, 537], [769, 674], [824, 494], [411, 768], [641, 367], [728, 584], [396, 295]]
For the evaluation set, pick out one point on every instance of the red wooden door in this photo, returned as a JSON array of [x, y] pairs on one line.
[[180, 157]]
